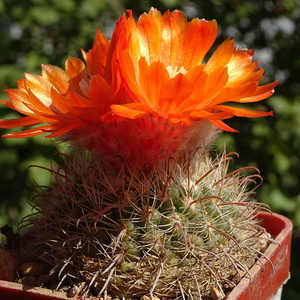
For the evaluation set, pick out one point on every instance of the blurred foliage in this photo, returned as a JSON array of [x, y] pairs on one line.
[[35, 32]]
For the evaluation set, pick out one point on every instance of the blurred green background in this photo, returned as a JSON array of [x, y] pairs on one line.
[[35, 32]]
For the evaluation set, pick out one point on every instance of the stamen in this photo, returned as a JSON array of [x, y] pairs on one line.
[[173, 70]]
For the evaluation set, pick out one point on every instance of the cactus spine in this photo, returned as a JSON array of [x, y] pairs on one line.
[[177, 231]]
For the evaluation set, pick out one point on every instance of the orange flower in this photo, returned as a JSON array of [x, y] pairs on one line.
[[73, 102], [161, 64], [146, 95]]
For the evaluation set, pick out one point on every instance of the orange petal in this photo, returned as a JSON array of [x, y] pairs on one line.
[[168, 38], [262, 92], [174, 93], [75, 70], [211, 116], [199, 36], [242, 75], [235, 94], [20, 122], [178, 118], [57, 132], [75, 100], [129, 77], [96, 58], [242, 112], [221, 125], [221, 56], [146, 39], [17, 98], [110, 117], [21, 83], [171, 38], [151, 80], [208, 86], [57, 77], [59, 102], [240, 59], [99, 93], [27, 133], [39, 87], [132, 110], [35, 103]]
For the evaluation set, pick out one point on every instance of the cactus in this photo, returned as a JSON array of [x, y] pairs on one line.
[[142, 207], [178, 231]]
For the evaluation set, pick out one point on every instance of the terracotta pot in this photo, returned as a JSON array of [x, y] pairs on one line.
[[265, 282]]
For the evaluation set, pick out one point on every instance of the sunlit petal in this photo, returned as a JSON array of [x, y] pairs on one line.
[[156, 90]]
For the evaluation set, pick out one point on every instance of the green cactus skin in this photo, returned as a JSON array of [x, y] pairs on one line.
[[175, 232]]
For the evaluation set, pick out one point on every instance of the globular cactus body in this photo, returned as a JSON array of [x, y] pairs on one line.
[[176, 231]]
